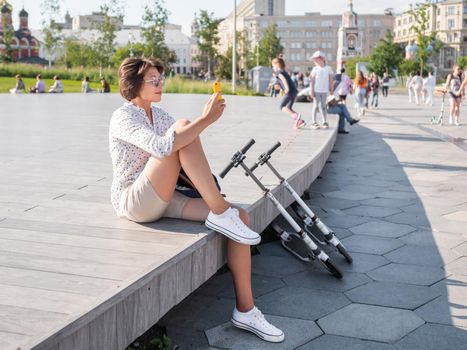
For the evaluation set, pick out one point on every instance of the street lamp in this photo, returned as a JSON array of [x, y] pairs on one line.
[[131, 37], [234, 48]]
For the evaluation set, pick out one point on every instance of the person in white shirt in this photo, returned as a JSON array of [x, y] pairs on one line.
[[416, 85], [430, 86], [148, 150], [321, 86], [408, 85], [57, 87]]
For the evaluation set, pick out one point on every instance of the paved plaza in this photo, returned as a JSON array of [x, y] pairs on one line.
[[395, 192]]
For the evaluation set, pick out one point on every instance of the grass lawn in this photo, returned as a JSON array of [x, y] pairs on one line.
[[7, 83], [171, 85]]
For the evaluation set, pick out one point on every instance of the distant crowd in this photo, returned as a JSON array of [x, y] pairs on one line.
[[57, 86]]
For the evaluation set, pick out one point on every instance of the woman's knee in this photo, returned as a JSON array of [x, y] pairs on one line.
[[180, 123]]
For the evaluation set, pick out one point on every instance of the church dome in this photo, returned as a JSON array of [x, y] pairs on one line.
[[23, 13]]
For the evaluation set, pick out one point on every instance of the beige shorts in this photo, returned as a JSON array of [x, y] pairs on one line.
[[140, 203]]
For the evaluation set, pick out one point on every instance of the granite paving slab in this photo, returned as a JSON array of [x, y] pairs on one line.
[[396, 295], [382, 229], [371, 322], [301, 302], [296, 331], [434, 337], [426, 256], [371, 245], [334, 342], [410, 274]]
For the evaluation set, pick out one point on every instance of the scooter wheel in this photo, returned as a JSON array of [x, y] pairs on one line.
[[332, 268], [344, 252]]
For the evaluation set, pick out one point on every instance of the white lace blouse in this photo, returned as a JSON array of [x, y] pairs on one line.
[[132, 140]]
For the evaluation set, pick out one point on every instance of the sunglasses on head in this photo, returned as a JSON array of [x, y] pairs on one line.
[[156, 81]]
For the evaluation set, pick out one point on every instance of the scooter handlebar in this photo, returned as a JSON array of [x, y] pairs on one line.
[[273, 148], [247, 146], [233, 160]]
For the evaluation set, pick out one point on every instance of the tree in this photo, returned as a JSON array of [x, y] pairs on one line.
[[269, 46], [386, 57], [77, 54], [7, 39], [407, 67], [351, 65], [462, 62], [50, 9], [425, 38], [208, 39], [124, 52], [104, 44], [155, 19]]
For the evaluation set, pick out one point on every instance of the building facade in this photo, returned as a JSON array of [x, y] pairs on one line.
[[302, 35], [24, 45], [449, 20]]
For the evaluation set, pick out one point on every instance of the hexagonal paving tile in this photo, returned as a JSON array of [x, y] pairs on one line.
[[332, 203], [433, 238], [370, 245], [260, 284], [301, 302], [382, 229], [402, 296], [415, 219], [427, 256], [410, 274], [434, 337], [334, 342], [371, 322], [361, 262], [276, 266], [337, 218], [445, 311], [458, 267], [397, 195], [296, 331], [388, 202], [351, 196], [457, 216], [373, 211], [322, 279]]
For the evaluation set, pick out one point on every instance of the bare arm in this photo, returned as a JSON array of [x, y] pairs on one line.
[[186, 134], [286, 85], [331, 84]]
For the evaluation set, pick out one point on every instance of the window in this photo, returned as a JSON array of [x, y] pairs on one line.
[[451, 23], [270, 7], [451, 10], [310, 34], [310, 23], [326, 23], [405, 32], [438, 24], [326, 34], [310, 45], [376, 23], [449, 37], [295, 34]]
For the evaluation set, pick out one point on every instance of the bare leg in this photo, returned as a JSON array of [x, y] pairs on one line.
[[291, 112], [238, 255], [163, 174]]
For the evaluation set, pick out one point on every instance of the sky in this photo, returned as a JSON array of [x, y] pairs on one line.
[[181, 11]]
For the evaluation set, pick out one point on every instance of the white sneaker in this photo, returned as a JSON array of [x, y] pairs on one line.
[[255, 322], [456, 122], [450, 119], [229, 224]]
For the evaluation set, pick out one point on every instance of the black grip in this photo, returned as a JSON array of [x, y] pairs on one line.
[[273, 148], [226, 170], [247, 146]]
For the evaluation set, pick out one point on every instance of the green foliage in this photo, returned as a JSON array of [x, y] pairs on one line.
[[422, 23], [408, 67], [386, 57], [155, 19], [77, 73], [462, 62], [50, 9], [103, 47], [269, 45], [208, 39], [121, 53], [351, 65], [7, 38], [77, 54]]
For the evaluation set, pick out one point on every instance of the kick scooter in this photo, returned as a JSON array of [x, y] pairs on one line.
[[312, 249], [300, 208], [439, 119]]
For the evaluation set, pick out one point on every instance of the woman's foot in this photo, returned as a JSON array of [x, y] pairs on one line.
[[230, 225], [255, 322], [325, 125], [299, 123], [314, 126]]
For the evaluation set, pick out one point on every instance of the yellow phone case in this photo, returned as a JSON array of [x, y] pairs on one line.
[[217, 87]]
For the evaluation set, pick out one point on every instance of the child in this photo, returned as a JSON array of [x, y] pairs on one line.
[[290, 91], [321, 86]]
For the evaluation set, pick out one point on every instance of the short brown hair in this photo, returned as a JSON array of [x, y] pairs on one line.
[[131, 75], [280, 62]]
